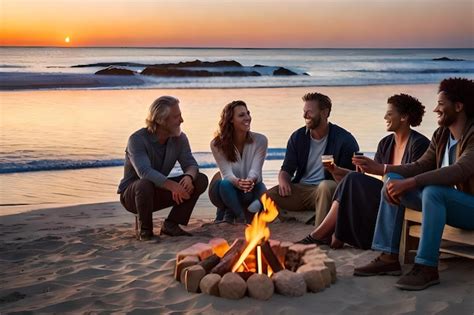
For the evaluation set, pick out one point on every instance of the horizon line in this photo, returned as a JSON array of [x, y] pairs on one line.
[[217, 47]]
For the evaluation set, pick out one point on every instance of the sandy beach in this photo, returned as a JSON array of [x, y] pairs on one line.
[[85, 259]]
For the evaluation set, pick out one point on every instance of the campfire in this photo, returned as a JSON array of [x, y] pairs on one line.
[[256, 264]]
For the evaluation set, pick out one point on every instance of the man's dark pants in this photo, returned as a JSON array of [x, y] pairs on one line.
[[143, 198]]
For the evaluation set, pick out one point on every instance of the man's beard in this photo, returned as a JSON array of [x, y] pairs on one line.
[[448, 119], [174, 131], [177, 131], [315, 122]]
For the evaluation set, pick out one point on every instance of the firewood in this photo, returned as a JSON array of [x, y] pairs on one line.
[[210, 262], [270, 257], [230, 257], [245, 274]]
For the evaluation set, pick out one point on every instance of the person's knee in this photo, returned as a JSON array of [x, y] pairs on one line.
[[144, 187], [327, 187], [200, 183], [273, 192], [226, 184], [354, 176], [432, 193]]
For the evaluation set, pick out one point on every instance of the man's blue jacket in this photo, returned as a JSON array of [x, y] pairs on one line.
[[340, 143]]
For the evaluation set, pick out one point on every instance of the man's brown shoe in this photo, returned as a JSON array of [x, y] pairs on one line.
[[147, 236], [172, 229], [379, 267], [419, 278]]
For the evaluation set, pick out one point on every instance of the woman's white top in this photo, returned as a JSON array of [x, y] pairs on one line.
[[249, 165]]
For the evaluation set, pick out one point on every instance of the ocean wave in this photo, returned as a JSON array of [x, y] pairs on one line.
[[204, 159], [12, 66], [412, 71], [344, 77]]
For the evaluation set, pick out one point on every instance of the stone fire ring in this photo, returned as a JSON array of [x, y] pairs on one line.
[[202, 269]]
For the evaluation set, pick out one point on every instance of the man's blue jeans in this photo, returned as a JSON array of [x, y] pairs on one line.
[[225, 196], [440, 205]]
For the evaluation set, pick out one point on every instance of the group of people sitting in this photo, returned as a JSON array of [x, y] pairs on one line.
[[348, 203]]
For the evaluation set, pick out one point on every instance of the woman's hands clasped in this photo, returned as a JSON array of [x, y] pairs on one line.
[[246, 185]]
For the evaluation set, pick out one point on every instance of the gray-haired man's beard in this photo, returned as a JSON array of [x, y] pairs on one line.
[[176, 132]]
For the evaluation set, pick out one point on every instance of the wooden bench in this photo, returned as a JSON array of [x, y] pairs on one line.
[[455, 241]]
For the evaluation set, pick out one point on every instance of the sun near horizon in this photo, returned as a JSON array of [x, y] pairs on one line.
[[67, 40]]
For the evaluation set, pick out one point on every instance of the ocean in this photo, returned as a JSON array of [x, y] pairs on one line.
[[65, 145]]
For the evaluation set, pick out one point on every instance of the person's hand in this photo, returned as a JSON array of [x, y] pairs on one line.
[[397, 187], [246, 185], [284, 188], [178, 193], [367, 165], [187, 183], [336, 172], [330, 167]]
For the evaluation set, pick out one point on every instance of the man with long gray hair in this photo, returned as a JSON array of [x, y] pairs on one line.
[[150, 156]]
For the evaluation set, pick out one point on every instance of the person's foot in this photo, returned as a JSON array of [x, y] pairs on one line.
[[255, 206], [312, 240], [335, 243], [419, 277], [381, 265], [241, 220], [173, 229], [147, 236]]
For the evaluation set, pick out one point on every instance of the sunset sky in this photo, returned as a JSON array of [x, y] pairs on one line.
[[238, 23]]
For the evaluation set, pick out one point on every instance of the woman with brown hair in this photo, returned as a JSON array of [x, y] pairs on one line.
[[239, 154]]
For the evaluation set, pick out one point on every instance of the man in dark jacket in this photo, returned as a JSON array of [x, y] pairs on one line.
[[440, 184], [303, 182]]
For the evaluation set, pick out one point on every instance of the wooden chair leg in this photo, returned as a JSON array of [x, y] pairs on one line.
[[407, 243]]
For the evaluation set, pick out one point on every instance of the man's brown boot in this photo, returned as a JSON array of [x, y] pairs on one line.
[[419, 278], [382, 265]]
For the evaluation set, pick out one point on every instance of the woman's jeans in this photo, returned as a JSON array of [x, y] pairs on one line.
[[231, 201], [439, 205]]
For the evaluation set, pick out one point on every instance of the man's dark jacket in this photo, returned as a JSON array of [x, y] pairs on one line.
[[340, 143]]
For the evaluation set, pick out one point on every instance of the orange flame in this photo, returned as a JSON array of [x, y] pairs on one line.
[[258, 231]]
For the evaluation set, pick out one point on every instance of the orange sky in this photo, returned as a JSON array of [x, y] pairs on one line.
[[234, 23]]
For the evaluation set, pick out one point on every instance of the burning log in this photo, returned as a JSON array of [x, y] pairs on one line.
[[210, 262], [245, 274], [270, 257], [229, 258]]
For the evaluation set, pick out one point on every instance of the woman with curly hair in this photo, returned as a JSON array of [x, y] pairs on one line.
[[353, 212], [239, 154]]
